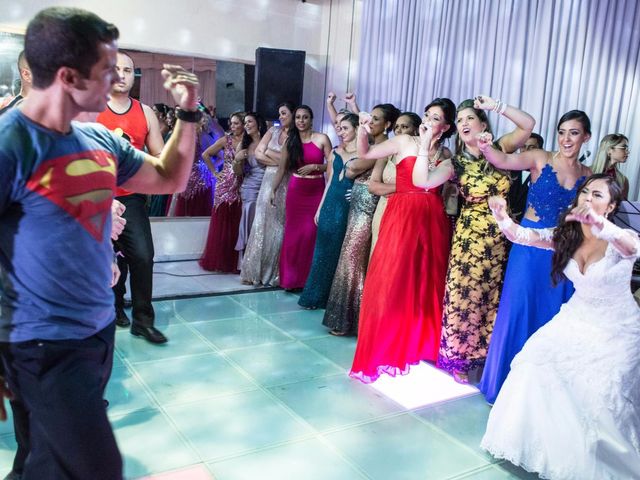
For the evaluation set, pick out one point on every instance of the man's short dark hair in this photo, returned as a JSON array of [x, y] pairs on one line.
[[539, 139], [22, 61], [64, 37]]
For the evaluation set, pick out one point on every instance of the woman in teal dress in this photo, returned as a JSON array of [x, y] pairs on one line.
[[331, 219]]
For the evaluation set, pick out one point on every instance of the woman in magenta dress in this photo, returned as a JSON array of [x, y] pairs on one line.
[[304, 155], [401, 310], [220, 254]]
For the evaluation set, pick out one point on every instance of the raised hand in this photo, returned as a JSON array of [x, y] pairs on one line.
[[331, 98], [484, 141], [484, 102], [350, 98], [182, 84], [586, 215], [365, 121]]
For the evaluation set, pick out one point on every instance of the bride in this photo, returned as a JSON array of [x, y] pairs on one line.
[[570, 407]]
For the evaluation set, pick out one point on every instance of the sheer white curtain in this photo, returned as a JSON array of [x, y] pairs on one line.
[[546, 56]]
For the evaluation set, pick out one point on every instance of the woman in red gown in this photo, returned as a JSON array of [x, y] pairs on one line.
[[401, 313]]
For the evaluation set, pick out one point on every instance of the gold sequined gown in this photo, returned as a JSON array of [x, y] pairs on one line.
[[343, 306], [476, 268], [260, 264]]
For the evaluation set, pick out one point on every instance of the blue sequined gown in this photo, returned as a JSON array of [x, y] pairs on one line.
[[529, 300], [332, 224]]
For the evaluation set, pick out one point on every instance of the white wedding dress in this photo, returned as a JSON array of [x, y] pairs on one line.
[[570, 407]]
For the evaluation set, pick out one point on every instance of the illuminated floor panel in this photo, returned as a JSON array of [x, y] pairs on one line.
[[252, 387], [423, 386]]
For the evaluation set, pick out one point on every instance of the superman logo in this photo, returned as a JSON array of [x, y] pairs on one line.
[[81, 184]]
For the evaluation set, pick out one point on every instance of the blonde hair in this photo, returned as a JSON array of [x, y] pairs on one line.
[[602, 161]]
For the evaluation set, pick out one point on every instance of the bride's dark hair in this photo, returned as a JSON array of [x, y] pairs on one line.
[[567, 236]]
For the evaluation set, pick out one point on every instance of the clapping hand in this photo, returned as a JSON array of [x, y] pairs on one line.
[[484, 102], [182, 84]]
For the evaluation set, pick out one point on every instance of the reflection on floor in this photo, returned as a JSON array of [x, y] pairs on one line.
[[250, 386]]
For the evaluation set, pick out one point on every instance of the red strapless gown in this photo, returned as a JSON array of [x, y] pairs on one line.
[[401, 312]]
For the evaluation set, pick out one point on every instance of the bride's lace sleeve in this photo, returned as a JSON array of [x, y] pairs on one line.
[[625, 242], [533, 237]]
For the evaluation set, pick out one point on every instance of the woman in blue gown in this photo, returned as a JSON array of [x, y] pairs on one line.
[[529, 300], [331, 219]]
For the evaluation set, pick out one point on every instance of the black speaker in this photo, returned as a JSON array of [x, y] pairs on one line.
[[279, 77]]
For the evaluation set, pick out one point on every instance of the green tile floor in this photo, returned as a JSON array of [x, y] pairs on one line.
[[252, 387]]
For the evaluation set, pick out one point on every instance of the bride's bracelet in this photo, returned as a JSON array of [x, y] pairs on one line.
[[608, 232]]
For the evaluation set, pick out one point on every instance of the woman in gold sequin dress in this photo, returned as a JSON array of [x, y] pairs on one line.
[[478, 251], [343, 306]]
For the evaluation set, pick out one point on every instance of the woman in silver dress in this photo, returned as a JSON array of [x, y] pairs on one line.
[[260, 265], [247, 166]]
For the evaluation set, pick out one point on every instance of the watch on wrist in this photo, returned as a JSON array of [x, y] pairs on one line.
[[188, 116]]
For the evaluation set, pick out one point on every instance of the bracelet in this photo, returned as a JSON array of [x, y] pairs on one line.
[[189, 116], [499, 107]]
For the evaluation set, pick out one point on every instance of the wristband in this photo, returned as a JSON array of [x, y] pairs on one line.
[[188, 115]]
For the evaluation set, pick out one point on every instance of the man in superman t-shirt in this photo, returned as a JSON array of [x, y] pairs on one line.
[[57, 180]]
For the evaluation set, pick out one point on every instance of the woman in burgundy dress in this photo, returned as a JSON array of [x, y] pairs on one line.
[[220, 254]]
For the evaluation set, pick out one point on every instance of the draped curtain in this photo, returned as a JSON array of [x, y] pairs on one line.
[[545, 56]]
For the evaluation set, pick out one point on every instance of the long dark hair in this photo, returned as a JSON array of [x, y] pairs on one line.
[[390, 114], [578, 115], [449, 110], [262, 128], [294, 142], [568, 236]]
